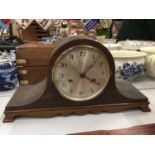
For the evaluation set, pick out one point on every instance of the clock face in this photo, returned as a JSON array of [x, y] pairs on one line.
[[81, 73]]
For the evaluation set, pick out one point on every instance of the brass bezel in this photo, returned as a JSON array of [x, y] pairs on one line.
[[87, 98]]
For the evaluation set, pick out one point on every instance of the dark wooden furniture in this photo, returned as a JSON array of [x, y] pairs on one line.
[[43, 100], [147, 129]]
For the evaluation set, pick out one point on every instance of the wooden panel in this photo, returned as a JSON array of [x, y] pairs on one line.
[[32, 61], [32, 74], [34, 53]]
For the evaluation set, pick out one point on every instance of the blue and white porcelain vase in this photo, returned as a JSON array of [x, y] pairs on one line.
[[8, 75]]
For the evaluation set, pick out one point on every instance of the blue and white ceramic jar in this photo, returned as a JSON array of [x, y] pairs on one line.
[[129, 65], [8, 74]]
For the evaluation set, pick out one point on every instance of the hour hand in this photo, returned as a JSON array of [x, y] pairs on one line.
[[89, 79], [93, 81]]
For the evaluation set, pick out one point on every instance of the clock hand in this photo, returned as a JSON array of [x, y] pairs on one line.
[[91, 80], [91, 65]]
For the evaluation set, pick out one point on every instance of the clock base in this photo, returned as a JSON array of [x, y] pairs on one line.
[[48, 112], [23, 104]]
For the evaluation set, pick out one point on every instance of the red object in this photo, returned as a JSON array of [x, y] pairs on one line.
[[69, 22], [6, 21]]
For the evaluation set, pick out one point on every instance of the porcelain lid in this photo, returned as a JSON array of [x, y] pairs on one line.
[[127, 54]]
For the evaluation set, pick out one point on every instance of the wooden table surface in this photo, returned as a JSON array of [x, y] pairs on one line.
[[147, 129]]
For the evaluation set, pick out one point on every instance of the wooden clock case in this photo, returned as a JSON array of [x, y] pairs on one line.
[[43, 100]]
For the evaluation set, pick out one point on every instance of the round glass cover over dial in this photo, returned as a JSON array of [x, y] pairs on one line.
[[81, 73]]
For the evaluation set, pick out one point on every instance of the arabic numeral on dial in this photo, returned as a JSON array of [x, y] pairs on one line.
[[63, 64], [98, 83], [71, 56], [100, 63], [71, 91], [64, 85], [82, 53], [94, 56], [92, 91], [81, 93], [60, 75]]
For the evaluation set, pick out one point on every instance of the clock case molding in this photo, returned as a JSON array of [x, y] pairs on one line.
[[43, 100]]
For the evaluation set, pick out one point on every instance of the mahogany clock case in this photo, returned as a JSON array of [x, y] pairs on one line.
[[43, 100]]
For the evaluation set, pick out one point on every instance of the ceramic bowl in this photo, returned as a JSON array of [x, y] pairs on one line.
[[108, 43], [8, 75], [129, 65], [135, 44], [150, 60], [112, 46], [103, 40]]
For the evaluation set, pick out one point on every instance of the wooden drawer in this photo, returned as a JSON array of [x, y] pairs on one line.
[[31, 75], [32, 61]]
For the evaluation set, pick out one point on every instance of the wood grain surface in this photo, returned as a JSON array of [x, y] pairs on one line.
[[147, 129]]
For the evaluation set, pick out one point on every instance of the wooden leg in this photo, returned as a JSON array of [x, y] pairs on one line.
[[145, 108], [8, 118]]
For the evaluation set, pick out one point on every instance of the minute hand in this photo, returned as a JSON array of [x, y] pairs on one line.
[[91, 65]]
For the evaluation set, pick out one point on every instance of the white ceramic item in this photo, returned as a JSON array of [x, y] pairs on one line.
[[112, 46], [108, 43], [104, 40], [150, 60], [2, 58], [135, 44], [125, 56]]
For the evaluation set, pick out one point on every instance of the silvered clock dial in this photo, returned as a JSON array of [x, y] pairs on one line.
[[81, 73]]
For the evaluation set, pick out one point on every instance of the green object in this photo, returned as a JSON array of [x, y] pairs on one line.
[[137, 29], [64, 25], [102, 32]]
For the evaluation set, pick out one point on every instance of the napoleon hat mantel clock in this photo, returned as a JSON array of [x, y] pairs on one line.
[[81, 79]]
